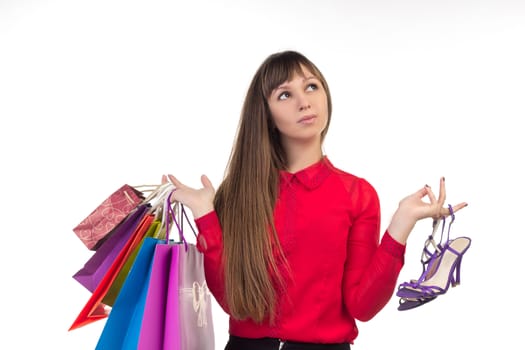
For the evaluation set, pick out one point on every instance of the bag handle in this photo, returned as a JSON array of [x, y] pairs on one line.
[[145, 188], [183, 213], [172, 217], [158, 195], [160, 201]]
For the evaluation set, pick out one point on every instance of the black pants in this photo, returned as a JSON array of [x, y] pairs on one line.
[[237, 343]]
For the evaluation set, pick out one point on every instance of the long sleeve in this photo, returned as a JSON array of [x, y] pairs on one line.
[[371, 269], [209, 242], [338, 271]]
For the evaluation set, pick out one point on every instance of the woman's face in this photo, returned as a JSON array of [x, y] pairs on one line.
[[299, 108]]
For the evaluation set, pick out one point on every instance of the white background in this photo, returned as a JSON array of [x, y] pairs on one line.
[[95, 94]]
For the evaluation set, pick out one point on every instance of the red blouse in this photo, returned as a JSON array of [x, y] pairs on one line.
[[328, 222]]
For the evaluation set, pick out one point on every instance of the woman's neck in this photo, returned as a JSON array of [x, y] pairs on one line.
[[301, 156]]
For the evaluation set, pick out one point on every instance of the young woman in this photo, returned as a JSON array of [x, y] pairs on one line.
[[291, 243]]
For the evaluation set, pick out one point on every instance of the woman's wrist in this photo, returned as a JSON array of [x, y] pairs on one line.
[[400, 226], [200, 211]]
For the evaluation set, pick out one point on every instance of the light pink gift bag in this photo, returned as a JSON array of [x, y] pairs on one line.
[[196, 324]]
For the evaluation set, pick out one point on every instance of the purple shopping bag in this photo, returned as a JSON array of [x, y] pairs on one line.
[[96, 267]]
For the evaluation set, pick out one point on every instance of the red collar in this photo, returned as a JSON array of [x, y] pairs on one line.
[[310, 177]]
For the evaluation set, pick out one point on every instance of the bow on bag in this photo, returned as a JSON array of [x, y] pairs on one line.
[[200, 302]]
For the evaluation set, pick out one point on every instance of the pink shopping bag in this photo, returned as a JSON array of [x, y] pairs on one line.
[[105, 218]]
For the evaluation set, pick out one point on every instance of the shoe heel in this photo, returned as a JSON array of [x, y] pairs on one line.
[[455, 281], [448, 270]]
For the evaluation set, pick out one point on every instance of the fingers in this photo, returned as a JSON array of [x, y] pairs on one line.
[[415, 204], [438, 203], [431, 195], [164, 179], [206, 182], [204, 179], [433, 202], [458, 207], [445, 212], [442, 192], [441, 201], [422, 192], [174, 181]]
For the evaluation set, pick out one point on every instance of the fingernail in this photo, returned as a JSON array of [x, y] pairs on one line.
[[427, 186], [443, 178]]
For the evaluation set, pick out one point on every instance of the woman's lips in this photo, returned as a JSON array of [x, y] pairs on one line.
[[307, 119]]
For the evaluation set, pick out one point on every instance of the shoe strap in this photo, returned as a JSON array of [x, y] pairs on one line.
[[437, 255], [427, 253]]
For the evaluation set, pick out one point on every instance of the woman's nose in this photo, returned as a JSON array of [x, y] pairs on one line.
[[303, 102]]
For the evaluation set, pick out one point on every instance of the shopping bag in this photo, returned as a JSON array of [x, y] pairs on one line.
[[113, 291], [121, 331], [96, 267], [196, 324], [177, 314], [94, 309], [160, 323], [111, 212]]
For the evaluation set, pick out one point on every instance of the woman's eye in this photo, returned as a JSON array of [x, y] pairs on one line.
[[311, 87], [284, 96]]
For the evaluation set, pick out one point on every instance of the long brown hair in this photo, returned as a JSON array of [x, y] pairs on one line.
[[245, 200]]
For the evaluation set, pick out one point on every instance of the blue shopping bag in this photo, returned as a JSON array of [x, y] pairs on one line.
[[122, 327]]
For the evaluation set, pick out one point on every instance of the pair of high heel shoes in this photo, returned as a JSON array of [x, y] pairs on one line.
[[441, 267]]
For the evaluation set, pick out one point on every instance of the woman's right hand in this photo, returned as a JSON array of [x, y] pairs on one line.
[[200, 201]]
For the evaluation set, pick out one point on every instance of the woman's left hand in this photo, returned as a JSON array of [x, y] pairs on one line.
[[413, 208]]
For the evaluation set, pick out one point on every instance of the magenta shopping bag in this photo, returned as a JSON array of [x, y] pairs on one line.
[[160, 322]]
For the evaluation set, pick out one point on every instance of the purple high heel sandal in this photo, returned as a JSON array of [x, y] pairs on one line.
[[429, 250], [440, 272], [426, 258]]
